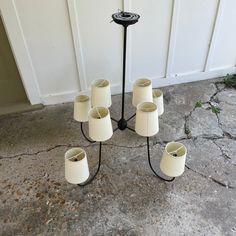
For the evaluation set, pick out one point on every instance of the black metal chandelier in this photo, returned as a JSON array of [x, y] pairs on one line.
[[175, 153]]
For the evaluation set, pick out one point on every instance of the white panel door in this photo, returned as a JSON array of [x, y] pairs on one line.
[[46, 29], [195, 25], [224, 53], [61, 46], [100, 41], [150, 38]]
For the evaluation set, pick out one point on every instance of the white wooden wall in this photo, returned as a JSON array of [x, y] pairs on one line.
[[61, 46]]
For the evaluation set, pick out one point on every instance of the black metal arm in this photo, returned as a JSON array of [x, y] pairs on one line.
[[81, 127], [131, 117], [99, 165], [114, 119], [150, 164]]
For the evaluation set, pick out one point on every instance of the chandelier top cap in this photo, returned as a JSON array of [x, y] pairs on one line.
[[125, 18]]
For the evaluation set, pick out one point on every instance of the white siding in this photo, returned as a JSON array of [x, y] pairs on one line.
[[225, 47], [61, 46]]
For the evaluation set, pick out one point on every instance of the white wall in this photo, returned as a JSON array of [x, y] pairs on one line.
[[60, 46]]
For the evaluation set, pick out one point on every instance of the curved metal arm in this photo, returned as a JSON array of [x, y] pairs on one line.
[[150, 164], [99, 165], [81, 127]]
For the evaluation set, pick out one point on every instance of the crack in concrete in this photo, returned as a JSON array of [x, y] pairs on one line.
[[153, 143], [228, 135], [210, 178], [36, 153], [122, 146], [212, 98], [223, 153], [219, 82], [69, 146], [186, 119], [161, 142], [225, 135]]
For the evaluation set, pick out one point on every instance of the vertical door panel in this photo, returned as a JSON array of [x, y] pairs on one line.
[[194, 31], [101, 41], [224, 54], [47, 32], [150, 38]]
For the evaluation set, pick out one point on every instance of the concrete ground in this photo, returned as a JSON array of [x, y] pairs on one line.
[[125, 198]]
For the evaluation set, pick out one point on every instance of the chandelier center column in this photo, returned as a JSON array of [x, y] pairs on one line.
[[124, 71], [122, 123], [125, 19]]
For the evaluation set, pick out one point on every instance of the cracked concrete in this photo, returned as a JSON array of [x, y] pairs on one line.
[[125, 198], [227, 118], [204, 123]]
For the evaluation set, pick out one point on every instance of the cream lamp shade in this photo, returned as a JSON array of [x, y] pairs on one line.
[[100, 126], [146, 123], [142, 91], [173, 159], [76, 166], [82, 106], [158, 100], [101, 93]]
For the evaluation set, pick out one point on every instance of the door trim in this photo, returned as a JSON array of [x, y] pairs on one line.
[[20, 50]]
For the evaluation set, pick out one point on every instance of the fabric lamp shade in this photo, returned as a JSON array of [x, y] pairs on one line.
[[101, 93], [142, 91], [76, 166], [100, 126], [82, 106], [146, 123], [158, 100], [173, 159]]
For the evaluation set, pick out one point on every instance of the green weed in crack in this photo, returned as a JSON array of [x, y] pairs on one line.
[[230, 81], [215, 109], [198, 104]]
